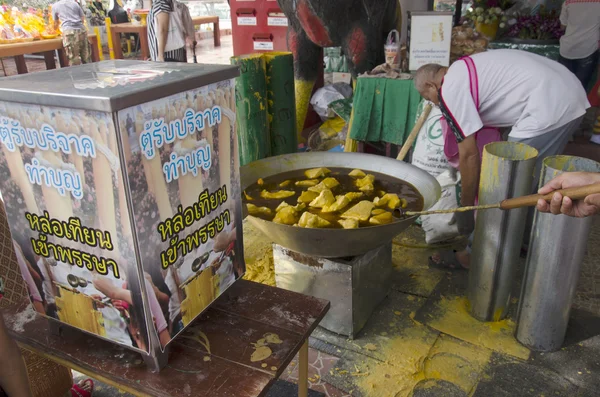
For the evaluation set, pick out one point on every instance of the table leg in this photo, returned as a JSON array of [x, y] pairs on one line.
[[144, 48], [62, 58], [49, 59], [217, 34], [21, 64], [116, 41], [303, 371], [94, 47]]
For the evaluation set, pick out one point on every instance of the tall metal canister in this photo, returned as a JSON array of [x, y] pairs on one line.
[[556, 251], [506, 171]]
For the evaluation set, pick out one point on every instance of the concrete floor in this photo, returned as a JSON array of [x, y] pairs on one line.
[[421, 341]]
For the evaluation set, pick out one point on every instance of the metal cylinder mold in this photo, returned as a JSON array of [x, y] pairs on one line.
[[506, 171], [556, 251]]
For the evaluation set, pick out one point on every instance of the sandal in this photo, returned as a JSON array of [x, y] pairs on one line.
[[448, 261], [77, 391]]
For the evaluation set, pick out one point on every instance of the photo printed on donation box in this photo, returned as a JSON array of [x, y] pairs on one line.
[[183, 176], [65, 201]]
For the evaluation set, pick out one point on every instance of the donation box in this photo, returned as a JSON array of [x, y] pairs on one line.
[[121, 185]]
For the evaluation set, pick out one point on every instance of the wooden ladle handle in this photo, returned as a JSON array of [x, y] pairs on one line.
[[574, 193]]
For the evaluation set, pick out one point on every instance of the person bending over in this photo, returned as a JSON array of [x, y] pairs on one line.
[[540, 99]]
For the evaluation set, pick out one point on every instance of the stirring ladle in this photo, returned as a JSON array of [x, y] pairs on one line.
[[575, 193]]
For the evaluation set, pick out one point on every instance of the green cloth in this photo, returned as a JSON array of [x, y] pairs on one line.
[[550, 51], [343, 108], [384, 110]]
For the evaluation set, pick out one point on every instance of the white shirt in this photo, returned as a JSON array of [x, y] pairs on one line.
[[582, 19], [531, 93]]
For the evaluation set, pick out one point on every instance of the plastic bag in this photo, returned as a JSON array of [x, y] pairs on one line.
[[324, 96], [442, 227], [330, 136], [428, 153]]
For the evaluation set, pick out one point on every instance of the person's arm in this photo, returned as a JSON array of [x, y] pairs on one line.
[[190, 31], [36, 276], [162, 29], [460, 111], [164, 337], [105, 286], [163, 299], [469, 167], [24, 266], [81, 15], [564, 16], [223, 240], [13, 374], [159, 317], [564, 205], [56, 18]]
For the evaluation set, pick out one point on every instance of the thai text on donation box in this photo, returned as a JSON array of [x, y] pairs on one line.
[[121, 186]]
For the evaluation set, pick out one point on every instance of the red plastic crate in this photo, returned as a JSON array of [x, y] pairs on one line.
[[258, 26]]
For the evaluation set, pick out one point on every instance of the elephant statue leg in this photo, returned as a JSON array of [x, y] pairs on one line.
[[307, 56]]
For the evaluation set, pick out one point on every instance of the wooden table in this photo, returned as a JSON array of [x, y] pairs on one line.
[[141, 30], [239, 318], [47, 47], [215, 22]]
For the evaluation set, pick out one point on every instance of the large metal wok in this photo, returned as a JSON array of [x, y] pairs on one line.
[[337, 243]]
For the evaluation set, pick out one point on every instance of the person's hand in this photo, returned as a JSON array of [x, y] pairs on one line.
[[465, 222], [564, 205], [223, 240], [105, 286], [120, 305]]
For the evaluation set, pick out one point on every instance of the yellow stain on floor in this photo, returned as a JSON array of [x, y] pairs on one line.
[[418, 355], [258, 253], [453, 318], [414, 263], [403, 367], [456, 362]]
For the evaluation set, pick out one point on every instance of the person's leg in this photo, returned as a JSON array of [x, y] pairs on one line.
[[451, 259], [84, 47], [568, 63], [585, 68], [69, 40], [549, 144]]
